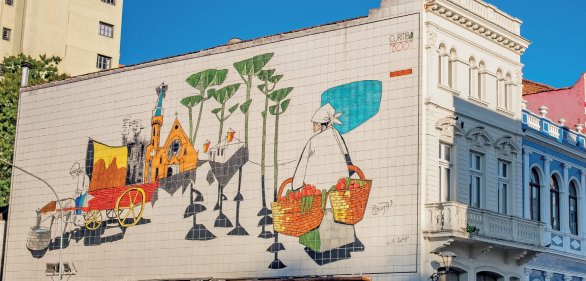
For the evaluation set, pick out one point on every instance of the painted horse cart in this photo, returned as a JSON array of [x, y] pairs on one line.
[[112, 176]]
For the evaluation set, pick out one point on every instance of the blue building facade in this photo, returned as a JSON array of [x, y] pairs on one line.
[[554, 167]]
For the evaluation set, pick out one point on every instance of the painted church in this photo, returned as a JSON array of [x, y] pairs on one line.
[[177, 155]]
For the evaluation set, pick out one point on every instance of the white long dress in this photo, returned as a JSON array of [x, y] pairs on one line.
[[323, 161]]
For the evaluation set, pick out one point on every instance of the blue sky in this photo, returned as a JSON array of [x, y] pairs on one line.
[[151, 30]]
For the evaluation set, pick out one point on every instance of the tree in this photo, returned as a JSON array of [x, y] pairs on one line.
[[278, 109], [201, 81], [43, 70], [267, 77], [222, 96], [248, 69]]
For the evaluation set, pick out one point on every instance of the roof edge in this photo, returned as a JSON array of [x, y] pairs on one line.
[[209, 51]]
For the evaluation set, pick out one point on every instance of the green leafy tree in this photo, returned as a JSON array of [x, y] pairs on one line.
[[222, 96], [277, 110], [247, 70], [43, 70], [201, 81], [266, 76]]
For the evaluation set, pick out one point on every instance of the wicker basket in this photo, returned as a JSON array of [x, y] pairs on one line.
[[38, 238], [349, 206], [288, 218]]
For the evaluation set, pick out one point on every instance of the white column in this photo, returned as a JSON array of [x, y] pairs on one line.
[[527, 272], [545, 195], [567, 278], [565, 201], [526, 186], [548, 275], [431, 52], [582, 205]]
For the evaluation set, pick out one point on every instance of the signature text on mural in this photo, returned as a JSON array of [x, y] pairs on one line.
[[382, 208]]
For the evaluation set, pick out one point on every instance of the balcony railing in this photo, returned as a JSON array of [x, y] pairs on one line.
[[533, 122], [548, 128], [455, 217], [554, 132]]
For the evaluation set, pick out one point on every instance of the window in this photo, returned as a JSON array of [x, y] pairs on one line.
[[9, 2], [439, 71], [480, 80], [499, 88], [6, 34], [573, 209], [534, 187], [503, 183], [103, 62], [106, 29], [445, 172], [109, 1], [555, 203], [475, 179], [471, 77], [452, 69], [508, 92]]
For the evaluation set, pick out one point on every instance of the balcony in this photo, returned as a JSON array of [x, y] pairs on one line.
[[453, 226], [553, 131]]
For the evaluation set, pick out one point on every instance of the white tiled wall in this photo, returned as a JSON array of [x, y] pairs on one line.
[[56, 122]]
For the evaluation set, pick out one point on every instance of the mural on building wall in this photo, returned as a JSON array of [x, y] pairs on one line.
[[319, 204]]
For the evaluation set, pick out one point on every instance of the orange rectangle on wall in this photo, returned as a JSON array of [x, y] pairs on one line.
[[401, 72]]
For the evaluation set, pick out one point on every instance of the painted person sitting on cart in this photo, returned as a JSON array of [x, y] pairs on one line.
[[325, 157]]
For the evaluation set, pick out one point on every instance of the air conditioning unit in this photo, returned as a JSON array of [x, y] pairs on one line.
[[53, 269]]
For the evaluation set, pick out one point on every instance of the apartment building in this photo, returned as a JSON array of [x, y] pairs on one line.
[[85, 34]]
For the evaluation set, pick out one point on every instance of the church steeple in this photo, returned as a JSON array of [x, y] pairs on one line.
[[156, 124], [161, 91]]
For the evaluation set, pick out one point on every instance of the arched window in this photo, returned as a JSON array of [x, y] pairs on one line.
[[500, 83], [534, 186], [442, 63], [452, 69], [508, 93], [573, 209], [481, 69], [472, 74], [554, 188]]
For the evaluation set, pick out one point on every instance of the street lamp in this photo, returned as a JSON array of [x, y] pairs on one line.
[[448, 258], [61, 212]]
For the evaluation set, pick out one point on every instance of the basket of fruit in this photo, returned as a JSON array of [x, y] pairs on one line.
[[349, 198], [298, 212]]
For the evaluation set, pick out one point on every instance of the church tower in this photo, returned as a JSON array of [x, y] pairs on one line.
[[156, 124]]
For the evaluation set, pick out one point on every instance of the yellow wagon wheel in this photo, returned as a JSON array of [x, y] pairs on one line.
[[131, 199], [93, 219]]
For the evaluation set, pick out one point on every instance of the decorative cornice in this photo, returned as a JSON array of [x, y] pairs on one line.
[[537, 138], [495, 33], [479, 138], [450, 127], [506, 146], [531, 150]]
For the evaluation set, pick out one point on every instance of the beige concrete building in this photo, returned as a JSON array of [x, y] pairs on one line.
[[86, 34]]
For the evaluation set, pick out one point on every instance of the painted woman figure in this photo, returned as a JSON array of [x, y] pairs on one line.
[[81, 193], [325, 157]]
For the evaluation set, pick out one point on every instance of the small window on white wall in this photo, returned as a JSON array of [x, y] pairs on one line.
[[503, 184], [475, 161], [445, 172]]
